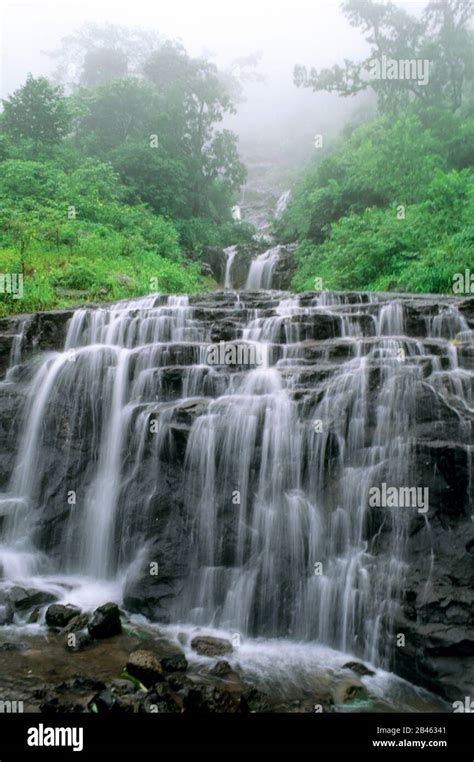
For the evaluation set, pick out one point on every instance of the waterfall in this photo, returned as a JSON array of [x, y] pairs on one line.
[[261, 269], [230, 254], [282, 204], [269, 509]]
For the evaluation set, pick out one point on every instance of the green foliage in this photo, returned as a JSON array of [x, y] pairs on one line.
[[106, 250], [198, 232], [440, 36], [378, 250], [136, 682], [103, 193], [385, 161], [36, 111], [391, 205]]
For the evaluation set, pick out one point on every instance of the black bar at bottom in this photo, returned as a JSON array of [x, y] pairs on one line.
[[430, 736]]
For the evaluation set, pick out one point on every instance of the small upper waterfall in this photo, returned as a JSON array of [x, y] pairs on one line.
[[258, 474], [261, 269], [230, 254], [236, 213], [282, 204]]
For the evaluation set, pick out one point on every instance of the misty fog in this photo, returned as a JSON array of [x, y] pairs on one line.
[[275, 118]]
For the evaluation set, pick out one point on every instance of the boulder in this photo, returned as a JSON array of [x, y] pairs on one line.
[[76, 624], [221, 668], [175, 662], [145, 666], [59, 616], [206, 645], [105, 622], [23, 599], [358, 668]]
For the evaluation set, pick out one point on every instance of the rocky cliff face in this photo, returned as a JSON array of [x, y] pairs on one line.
[[390, 380]]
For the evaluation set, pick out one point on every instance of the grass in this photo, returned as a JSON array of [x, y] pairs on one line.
[[56, 277]]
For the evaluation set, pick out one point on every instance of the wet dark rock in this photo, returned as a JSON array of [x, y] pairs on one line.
[[76, 624], [23, 599], [102, 702], [209, 699], [59, 616], [257, 701], [466, 308], [206, 645], [12, 401], [160, 700], [148, 594], [179, 682], [54, 706], [221, 668], [174, 663], [105, 622], [358, 668], [6, 342]]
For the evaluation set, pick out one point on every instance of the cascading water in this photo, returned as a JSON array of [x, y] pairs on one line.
[[261, 269], [282, 204], [271, 514], [230, 254]]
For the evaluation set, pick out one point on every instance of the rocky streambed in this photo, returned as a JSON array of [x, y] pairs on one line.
[[105, 662]]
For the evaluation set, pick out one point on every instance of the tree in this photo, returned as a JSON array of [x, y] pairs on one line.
[[37, 111], [441, 37], [103, 65], [200, 100], [95, 54], [123, 110]]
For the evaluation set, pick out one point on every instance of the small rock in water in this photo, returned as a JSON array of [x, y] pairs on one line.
[[206, 645], [23, 599], [358, 668], [144, 666], [60, 616], [35, 615], [221, 668], [76, 624], [348, 689], [105, 621]]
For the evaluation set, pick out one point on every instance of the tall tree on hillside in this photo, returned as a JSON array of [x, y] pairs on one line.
[[36, 111], [441, 36], [195, 88]]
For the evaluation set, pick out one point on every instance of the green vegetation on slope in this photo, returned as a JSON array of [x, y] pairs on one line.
[[392, 207], [391, 204], [114, 190]]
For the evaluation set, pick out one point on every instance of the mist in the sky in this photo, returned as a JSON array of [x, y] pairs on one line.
[[274, 114]]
